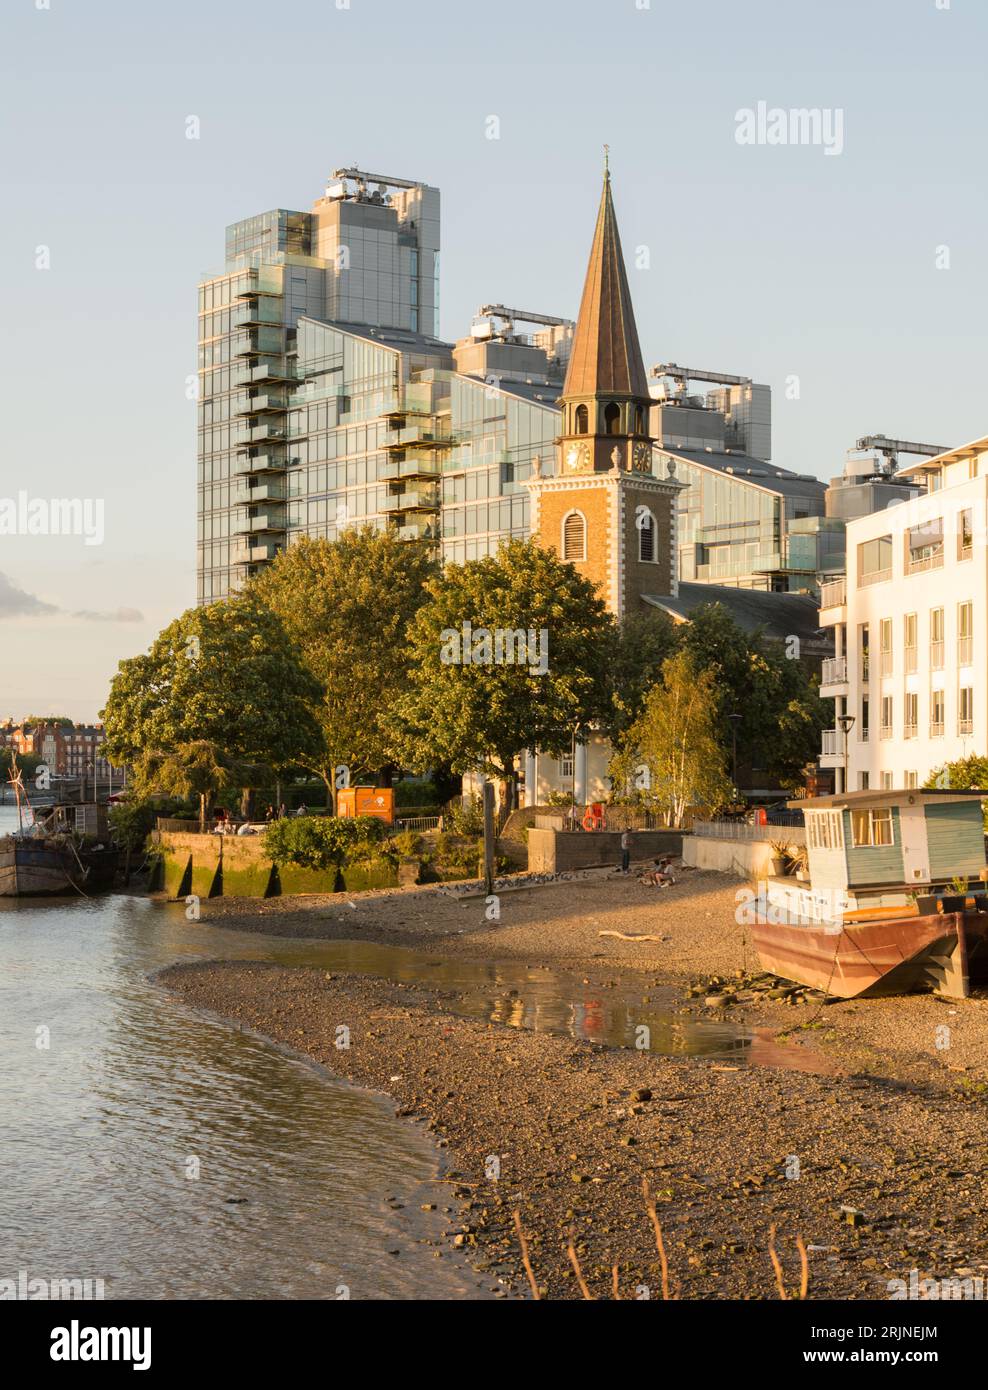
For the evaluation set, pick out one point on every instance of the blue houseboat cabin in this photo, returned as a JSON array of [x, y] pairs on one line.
[[883, 846]]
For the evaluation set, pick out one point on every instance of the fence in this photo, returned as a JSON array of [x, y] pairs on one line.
[[793, 832], [419, 823]]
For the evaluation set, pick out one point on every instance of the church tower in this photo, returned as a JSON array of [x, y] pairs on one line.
[[603, 508]]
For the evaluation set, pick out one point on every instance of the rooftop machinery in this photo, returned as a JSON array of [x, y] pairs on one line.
[[890, 449]]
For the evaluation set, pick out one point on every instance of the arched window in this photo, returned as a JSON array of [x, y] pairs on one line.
[[574, 536], [639, 420], [612, 415], [582, 419], [646, 536]]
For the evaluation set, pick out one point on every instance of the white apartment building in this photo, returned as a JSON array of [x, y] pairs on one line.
[[910, 622]]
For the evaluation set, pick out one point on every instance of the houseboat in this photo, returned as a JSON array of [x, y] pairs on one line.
[[56, 850], [895, 898]]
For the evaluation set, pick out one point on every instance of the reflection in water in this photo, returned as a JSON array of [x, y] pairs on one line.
[[101, 1130]]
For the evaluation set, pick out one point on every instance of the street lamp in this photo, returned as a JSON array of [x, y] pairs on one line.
[[845, 722]]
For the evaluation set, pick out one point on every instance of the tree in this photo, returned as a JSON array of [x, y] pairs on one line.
[[673, 752], [347, 604], [508, 653], [220, 699], [963, 775], [781, 713], [641, 645]]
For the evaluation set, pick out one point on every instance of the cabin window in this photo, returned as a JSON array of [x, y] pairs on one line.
[[872, 827], [825, 829]]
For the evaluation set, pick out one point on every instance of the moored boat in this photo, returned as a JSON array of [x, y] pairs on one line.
[[888, 907], [65, 849]]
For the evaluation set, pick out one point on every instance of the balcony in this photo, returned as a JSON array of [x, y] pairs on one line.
[[832, 748], [936, 728], [244, 404], [265, 550], [834, 671], [419, 437], [965, 726], [833, 593], [936, 656], [273, 491], [416, 501], [875, 577], [267, 521], [410, 468], [418, 531], [255, 312], [248, 464]]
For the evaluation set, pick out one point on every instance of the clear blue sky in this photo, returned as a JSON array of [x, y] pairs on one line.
[[770, 261]]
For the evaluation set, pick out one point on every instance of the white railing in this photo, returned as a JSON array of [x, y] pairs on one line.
[[741, 830], [965, 650], [834, 670], [875, 577], [833, 593], [833, 742]]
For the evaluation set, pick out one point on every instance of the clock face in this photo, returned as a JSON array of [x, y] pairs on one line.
[[577, 455], [643, 457]]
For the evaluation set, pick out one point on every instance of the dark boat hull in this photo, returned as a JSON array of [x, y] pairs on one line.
[[890, 956], [35, 868]]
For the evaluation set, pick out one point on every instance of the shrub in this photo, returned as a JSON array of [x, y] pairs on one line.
[[320, 842], [465, 818]]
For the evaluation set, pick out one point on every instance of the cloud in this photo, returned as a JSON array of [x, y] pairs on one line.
[[17, 603], [118, 615]]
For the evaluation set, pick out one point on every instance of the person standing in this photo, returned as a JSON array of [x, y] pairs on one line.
[[625, 851]]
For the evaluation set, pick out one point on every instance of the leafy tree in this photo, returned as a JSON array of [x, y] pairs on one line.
[[963, 775], [641, 644], [347, 605], [673, 752], [221, 698], [781, 713], [508, 653], [61, 719]]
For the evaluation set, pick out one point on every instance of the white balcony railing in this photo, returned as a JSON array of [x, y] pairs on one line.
[[834, 670], [833, 743], [965, 651], [833, 593]]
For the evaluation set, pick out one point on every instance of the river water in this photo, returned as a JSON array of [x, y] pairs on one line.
[[174, 1156], [128, 1122]]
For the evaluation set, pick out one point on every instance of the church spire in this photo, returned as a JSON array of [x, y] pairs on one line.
[[606, 357]]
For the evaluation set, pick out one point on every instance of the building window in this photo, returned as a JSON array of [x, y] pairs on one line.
[[911, 780], [875, 560], [965, 633], [639, 420], [612, 417], [965, 533], [965, 710], [886, 781], [924, 546], [909, 643], [646, 536], [936, 713], [863, 727], [910, 726], [885, 646], [574, 536], [566, 767], [864, 645], [936, 639], [886, 729], [873, 827], [864, 780], [582, 419]]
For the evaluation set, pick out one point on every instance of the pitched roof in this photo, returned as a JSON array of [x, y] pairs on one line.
[[606, 357], [780, 616]]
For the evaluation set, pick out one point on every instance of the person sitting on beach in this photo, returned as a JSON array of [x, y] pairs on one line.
[[246, 829], [658, 876]]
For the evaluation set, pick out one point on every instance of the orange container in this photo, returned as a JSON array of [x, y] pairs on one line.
[[367, 801]]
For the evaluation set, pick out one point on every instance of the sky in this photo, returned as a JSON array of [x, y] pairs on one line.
[[851, 281]]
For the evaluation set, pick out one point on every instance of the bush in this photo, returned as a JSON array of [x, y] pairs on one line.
[[132, 820], [465, 818], [322, 842]]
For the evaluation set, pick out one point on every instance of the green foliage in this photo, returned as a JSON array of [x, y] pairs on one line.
[[963, 775], [465, 817], [220, 699], [347, 605], [480, 716], [640, 646], [672, 752], [781, 712], [133, 819], [320, 842], [61, 719]]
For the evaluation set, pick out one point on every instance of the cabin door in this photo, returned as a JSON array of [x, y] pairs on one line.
[[915, 848]]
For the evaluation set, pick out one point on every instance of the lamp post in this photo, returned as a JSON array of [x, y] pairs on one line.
[[735, 719], [845, 722]]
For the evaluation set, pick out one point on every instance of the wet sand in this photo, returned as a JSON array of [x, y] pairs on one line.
[[892, 1128]]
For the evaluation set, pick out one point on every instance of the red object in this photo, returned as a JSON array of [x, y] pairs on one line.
[[594, 818], [760, 816]]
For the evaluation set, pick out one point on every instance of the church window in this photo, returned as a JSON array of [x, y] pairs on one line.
[[612, 416], [574, 536], [582, 419], [646, 537]]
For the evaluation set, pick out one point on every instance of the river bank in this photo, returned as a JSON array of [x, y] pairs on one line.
[[877, 1163]]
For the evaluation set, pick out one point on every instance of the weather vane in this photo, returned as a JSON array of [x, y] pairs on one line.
[[607, 152]]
